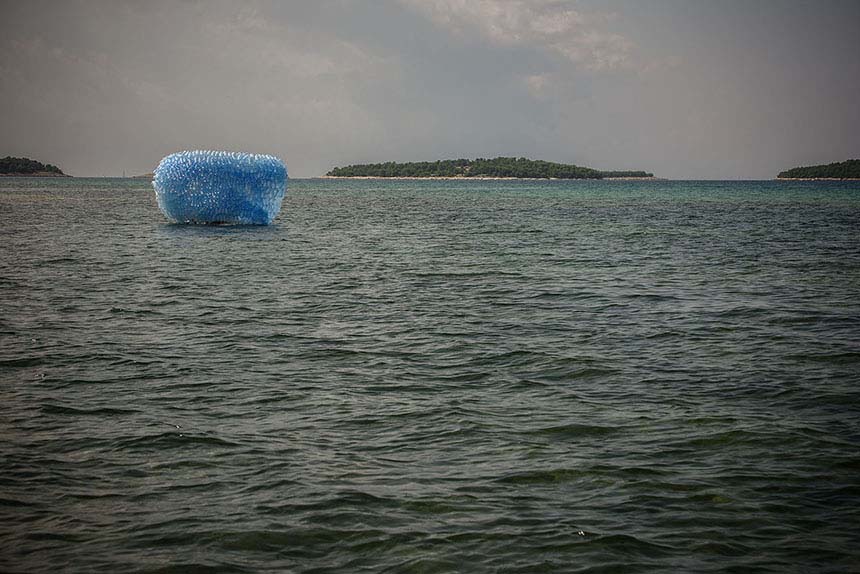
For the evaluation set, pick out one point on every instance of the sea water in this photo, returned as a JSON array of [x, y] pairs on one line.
[[433, 376]]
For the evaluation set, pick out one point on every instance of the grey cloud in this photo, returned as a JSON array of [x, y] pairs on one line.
[[683, 89], [543, 24]]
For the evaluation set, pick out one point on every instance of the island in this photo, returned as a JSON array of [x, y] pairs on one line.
[[841, 170], [498, 168], [26, 167]]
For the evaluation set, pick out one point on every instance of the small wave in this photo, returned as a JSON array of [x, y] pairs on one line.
[[99, 411], [171, 439], [14, 502], [299, 541], [655, 297], [742, 312], [463, 274], [22, 362], [667, 334], [552, 476], [629, 545], [508, 231], [59, 260], [133, 312], [846, 358], [727, 438], [575, 430], [195, 568]]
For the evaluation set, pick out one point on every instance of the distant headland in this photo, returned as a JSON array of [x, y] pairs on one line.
[[26, 167], [498, 168], [841, 170]]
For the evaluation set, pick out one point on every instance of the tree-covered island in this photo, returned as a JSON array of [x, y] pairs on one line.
[[22, 166], [841, 170], [500, 167]]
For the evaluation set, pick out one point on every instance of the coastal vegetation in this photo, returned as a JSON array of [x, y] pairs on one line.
[[624, 174], [499, 167], [26, 166], [841, 170]]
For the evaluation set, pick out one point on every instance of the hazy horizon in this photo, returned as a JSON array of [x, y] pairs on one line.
[[686, 90]]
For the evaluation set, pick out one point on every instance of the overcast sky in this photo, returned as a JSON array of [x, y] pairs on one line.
[[684, 88]]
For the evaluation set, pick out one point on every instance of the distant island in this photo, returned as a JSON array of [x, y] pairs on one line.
[[842, 170], [22, 166], [500, 167]]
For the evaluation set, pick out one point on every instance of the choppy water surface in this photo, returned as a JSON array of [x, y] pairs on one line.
[[433, 377]]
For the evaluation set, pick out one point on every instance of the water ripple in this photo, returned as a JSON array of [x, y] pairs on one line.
[[433, 377]]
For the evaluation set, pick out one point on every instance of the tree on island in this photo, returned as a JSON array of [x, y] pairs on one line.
[[25, 166], [841, 170], [498, 167]]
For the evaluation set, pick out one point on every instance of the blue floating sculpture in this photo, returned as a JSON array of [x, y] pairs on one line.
[[220, 187]]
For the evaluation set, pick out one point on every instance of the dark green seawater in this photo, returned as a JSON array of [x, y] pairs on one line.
[[433, 377]]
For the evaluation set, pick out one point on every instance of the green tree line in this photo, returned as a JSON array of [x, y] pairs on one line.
[[23, 165], [846, 169], [626, 174], [498, 167]]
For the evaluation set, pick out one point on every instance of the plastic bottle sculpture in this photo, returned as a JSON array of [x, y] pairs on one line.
[[209, 187]]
